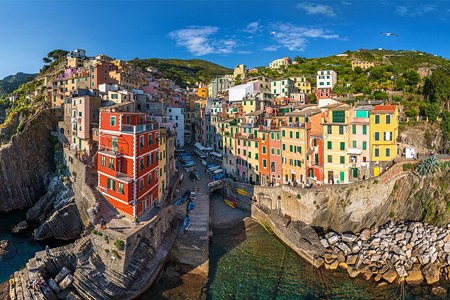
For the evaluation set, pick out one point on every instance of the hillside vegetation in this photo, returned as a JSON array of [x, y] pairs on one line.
[[183, 72], [12, 82]]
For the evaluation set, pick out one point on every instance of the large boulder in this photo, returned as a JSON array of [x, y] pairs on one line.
[[414, 277], [390, 275], [19, 227], [431, 273], [62, 274], [66, 282]]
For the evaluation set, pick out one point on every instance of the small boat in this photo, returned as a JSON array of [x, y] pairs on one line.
[[214, 183], [191, 206], [232, 200], [242, 192], [187, 222], [229, 203]]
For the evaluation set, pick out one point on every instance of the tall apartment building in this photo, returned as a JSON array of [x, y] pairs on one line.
[[128, 161], [326, 80]]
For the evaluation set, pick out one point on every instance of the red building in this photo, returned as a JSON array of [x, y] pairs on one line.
[[128, 161]]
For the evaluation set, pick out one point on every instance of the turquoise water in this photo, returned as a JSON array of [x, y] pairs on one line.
[[24, 244], [253, 264]]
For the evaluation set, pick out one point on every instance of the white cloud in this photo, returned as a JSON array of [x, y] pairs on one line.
[[317, 9], [344, 2], [407, 11], [252, 27], [271, 48], [296, 37], [200, 40]]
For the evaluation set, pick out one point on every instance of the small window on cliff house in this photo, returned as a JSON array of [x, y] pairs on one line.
[[120, 188], [111, 164], [141, 184], [112, 121], [103, 161]]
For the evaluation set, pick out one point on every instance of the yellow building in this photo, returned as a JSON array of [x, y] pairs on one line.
[[253, 159], [202, 92], [384, 133], [294, 148], [302, 84], [162, 164], [362, 64], [250, 105], [336, 132]]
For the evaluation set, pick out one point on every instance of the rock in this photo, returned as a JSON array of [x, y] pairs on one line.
[[439, 291], [348, 237], [66, 282], [333, 239], [367, 274], [62, 274], [447, 237], [390, 275], [424, 258], [351, 259], [414, 277], [355, 248], [341, 256], [447, 247], [19, 227], [352, 272], [344, 248], [400, 236], [375, 257], [431, 273], [401, 271], [73, 296], [343, 265], [334, 265], [364, 235], [7, 249], [378, 277], [375, 241], [381, 284], [53, 285], [324, 243]]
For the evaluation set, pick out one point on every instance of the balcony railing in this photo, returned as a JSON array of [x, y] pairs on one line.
[[138, 128]]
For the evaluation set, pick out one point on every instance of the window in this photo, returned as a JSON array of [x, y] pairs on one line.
[[256, 155], [284, 147], [341, 129], [249, 154], [291, 148], [110, 184], [112, 121], [141, 141], [111, 164], [329, 145], [264, 163], [342, 146], [377, 119], [387, 136], [283, 133], [149, 178], [141, 184], [264, 149], [141, 164], [329, 129], [364, 145], [338, 116], [150, 139], [353, 129], [278, 136], [388, 152], [239, 151], [342, 159], [315, 142], [377, 136], [149, 160], [120, 188], [272, 150], [290, 134], [388, 119], [354, 144], [103, 161], [278, 152], [330, 159], [377, 152], [297, 135], [364, 129]]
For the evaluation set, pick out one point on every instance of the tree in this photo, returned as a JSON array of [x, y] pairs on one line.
[[411, 77], [380, 95], [358, 70], [430, 110], [299, 59], [56, 54], [47, 60]]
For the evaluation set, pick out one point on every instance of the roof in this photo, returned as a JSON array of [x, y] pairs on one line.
[[384, 108], [364, 107], [255, 113], [304, 112], [337, 106]]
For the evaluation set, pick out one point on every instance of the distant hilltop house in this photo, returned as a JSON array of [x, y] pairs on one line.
[[253, 71], [280, 63], [363, 64], [77, 53], [240, 70], [326, 79]]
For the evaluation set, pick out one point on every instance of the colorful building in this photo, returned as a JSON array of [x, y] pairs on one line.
[[128, 161], [383, 136], [359, 149]]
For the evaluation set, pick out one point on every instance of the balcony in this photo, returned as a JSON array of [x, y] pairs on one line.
[[354, 151], [134, 129]]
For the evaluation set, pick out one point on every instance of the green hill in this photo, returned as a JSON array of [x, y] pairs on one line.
[[183, 72], [12, 82]]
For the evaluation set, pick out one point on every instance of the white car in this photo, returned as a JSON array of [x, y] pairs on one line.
[[193, 195]]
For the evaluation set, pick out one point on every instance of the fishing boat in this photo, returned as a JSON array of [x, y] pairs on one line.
[[229, 203], [214, 183], [191, 206], [187, 222]]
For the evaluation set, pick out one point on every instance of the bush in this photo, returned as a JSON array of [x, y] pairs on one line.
[[407, 167], [119, 244]]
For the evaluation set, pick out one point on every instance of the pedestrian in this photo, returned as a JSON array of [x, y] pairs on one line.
[[47, 250]]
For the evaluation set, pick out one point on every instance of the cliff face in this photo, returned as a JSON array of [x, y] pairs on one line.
[[363, 205], [25, 161]]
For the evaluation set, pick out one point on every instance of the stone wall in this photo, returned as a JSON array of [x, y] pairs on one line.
[[25, 161], [396, 195]]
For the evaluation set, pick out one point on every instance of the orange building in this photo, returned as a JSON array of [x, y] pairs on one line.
[[203, 92], [128, 161]]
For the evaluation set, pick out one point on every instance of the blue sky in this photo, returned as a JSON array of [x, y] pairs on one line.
[[225, 32]]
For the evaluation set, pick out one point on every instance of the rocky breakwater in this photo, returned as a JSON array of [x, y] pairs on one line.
[[395, 252]]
